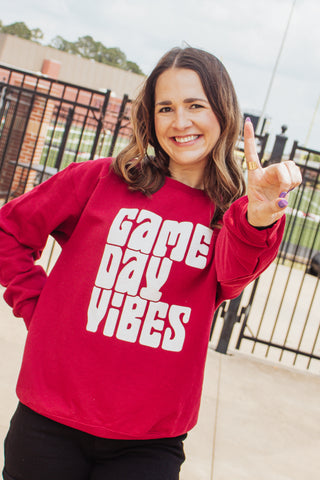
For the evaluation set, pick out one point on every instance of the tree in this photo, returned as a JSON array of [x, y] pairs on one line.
[[114, 56], [61, 44], [134, 68], [85, 46], [37, 34], [20, 29]]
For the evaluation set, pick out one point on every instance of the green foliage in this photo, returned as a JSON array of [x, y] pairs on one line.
[[78, 146], [61, 44], [315, 158], [85, 46], [133, 67], [20, 29]]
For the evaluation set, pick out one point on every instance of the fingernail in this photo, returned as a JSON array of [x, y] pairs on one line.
[[283, 203], [248, 119], [283, 194]]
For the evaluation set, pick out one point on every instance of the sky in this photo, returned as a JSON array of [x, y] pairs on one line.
[[271, 48]]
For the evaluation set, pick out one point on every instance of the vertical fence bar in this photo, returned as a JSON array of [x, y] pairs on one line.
[[32, 97], [118, 125], [100, 123], [64, 138], [230, 319], [36, 143]]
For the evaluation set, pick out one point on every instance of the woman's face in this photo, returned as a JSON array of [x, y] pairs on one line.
[[185, 125]]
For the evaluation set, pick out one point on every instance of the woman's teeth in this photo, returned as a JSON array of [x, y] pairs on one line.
[[189, 138]]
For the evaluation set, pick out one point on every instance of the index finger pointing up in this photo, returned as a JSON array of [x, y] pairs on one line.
[[250, 150]]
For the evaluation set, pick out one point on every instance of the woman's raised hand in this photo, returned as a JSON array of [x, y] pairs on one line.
[[268, 187]]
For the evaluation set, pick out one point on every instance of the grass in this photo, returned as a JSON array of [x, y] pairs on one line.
[[79, 145], [303, 220], [307, 199]]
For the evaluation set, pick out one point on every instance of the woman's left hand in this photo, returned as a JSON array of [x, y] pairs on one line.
[[268, 187]]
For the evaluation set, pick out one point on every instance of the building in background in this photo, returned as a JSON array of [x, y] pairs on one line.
[[27, 55]]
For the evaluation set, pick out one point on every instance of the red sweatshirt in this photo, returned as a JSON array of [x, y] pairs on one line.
[[118, 332]]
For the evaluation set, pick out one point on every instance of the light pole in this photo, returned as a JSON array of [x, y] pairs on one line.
[[275, 68], [312, 122]]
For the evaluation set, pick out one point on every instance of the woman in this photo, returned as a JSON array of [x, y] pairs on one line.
[[112, 372]]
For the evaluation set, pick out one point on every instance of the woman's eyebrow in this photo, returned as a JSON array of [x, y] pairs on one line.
[[194, 99], [164, 102], [186, 100]]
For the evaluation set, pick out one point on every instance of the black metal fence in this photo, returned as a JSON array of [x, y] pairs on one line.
[[47, 124], [277, 316]]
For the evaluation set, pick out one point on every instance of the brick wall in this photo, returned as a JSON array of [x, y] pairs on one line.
[[23, 137]]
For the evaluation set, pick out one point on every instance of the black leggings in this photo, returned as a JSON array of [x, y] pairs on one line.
[[37, 448]]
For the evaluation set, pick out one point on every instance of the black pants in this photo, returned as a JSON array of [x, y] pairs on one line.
[[37, 448]]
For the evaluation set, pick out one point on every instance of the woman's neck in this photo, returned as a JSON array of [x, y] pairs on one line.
[[190, 178]]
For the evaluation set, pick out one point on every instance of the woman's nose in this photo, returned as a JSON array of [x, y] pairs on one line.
[[181, 120]]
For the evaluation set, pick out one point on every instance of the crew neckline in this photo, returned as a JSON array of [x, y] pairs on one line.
[[183, 187]]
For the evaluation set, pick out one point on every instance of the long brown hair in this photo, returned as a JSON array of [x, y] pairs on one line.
[[223, 177]]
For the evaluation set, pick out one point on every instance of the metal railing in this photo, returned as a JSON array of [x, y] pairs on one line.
[[277, 316], [46, 125]]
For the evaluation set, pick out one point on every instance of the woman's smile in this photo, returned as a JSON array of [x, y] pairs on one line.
[[187, 139]]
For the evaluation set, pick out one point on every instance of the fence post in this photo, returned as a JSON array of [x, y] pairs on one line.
[[100, 124], [293, 150], [278, 147], [27, 119], [118, 125], [20, 106], [64, 138], [230, 319]]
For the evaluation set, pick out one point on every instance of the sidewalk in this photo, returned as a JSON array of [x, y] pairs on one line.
[[258, 421]]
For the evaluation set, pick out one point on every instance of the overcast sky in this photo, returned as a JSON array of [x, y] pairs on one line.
[[246, 35]]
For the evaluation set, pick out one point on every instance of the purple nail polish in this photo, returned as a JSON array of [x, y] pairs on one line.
[[283, 203], [282, 194], [248, 119]]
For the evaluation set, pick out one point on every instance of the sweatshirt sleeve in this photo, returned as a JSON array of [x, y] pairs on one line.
[[243, 252], [52, 208]]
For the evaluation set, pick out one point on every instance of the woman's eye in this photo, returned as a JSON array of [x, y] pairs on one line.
[[196, 105], [165, 110]]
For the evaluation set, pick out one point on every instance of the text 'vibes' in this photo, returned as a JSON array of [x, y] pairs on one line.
[[138, 257]]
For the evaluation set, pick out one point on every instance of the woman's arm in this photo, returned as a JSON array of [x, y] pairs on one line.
[[253, 226], [52, 208], [243, 252]]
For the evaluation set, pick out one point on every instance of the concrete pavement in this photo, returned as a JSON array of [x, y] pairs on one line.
[[258, 420]]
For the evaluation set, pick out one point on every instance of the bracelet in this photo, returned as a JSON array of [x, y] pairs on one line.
[[264, 228], [260, 228]]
